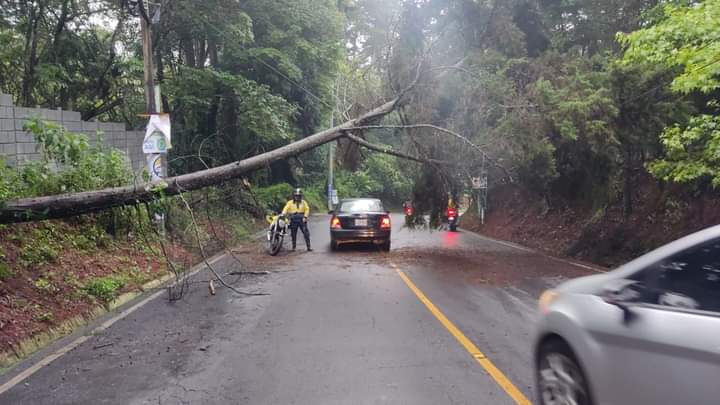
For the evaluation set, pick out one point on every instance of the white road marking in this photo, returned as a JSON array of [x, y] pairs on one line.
[[526, 249], [82, 339]]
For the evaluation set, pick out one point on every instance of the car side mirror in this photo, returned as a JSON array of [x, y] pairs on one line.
[[331, 212], [623, 294]]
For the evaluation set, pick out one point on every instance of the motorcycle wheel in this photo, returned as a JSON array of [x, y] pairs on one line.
[[276, 242], [453, 228]]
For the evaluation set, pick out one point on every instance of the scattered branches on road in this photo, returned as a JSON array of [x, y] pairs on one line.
[[204, 256]]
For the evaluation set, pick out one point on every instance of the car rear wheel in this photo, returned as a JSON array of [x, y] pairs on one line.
[[386, 246], [560, 380], [333, 245]]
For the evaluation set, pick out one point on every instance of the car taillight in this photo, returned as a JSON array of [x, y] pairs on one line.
[[335, 223], [385, 223], [451, 212]]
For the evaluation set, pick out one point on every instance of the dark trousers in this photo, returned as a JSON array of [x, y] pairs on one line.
[[294, 225]]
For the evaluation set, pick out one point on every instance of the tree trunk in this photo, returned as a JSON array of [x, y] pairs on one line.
[[28, 82], [627, 182], [72, 204]]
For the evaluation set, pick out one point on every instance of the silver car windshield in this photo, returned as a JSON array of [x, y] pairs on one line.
[[360, 206]]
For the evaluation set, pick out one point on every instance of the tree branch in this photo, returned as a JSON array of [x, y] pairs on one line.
[[390, 151], [439, 129]]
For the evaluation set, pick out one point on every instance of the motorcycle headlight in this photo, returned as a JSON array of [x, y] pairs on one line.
[[281, 222]]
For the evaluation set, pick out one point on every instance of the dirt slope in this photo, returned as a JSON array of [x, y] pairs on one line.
[[602, 236]]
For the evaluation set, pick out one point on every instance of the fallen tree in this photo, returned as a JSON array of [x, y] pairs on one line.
[[72, 204]]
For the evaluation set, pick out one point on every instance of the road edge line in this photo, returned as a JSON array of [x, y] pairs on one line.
[[46, 360], [498, 376], [539, 252]]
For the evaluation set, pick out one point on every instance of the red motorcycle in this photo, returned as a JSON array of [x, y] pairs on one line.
[[452, 218]]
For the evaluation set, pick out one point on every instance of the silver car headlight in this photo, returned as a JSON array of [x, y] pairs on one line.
[[546, 299]]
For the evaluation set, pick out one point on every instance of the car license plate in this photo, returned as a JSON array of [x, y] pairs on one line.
[[361, 222]]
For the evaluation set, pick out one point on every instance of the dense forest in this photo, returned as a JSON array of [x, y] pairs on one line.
[[582, 105]]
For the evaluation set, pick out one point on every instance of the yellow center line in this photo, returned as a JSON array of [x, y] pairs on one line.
[[479, 356]]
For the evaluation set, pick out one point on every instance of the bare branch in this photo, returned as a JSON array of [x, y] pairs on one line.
[[390, 151], [439, 129], [205, 259]]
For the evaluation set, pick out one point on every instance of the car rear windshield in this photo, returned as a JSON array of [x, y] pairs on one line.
[[360, 206]]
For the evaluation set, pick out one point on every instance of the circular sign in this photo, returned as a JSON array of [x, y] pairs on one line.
[[160, 142], [157, 167]]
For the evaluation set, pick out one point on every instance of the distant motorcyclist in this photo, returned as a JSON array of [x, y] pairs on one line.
[[298, 211], [408, 208], [451, 213]]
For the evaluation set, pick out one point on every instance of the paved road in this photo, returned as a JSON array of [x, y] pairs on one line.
[[336, 328]]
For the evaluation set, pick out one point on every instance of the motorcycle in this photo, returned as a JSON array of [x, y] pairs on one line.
[[276, 233], [452, 218], [408, 210]]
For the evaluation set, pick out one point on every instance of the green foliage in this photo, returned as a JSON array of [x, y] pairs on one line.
[[5, 272], [252, 114], [104, 288], [251, 75], [45, 285], [40, 247], [686, 38], [61, 54], [692, 153], [581, 106], [88, 238], [56, 144], [356, 184], [69, 164], [273, 198], [315, 196]]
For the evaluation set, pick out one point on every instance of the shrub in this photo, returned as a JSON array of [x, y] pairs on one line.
[[104, 288], [5, 272], [41, 247], [274, 197], [45, 285], [68, 164]]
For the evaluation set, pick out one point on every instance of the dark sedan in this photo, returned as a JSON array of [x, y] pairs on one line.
[[360, 220]]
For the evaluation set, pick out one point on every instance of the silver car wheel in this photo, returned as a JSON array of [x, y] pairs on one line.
[[561, 382]]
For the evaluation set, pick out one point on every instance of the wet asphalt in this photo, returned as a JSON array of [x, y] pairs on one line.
[[335, 328]]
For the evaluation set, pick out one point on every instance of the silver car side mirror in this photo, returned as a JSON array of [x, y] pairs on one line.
[[623, 294]]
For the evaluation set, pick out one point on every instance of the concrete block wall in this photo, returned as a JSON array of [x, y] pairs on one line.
[[18, 147]]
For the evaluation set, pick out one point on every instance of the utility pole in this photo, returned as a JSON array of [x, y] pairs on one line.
[[331, 157], [331, 168], [150, 107], [157, 137]]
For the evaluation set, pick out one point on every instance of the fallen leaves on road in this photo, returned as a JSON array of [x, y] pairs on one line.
[[497, 268]]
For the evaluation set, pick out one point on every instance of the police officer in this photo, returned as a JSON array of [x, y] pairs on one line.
[[298, 211]]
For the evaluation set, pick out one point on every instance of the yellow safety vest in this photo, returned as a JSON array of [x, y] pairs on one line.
[[296, 208]]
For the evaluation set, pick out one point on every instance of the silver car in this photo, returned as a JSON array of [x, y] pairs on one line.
[[645, 333]]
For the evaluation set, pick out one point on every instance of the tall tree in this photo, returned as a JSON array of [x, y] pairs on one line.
[[686, 38]]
